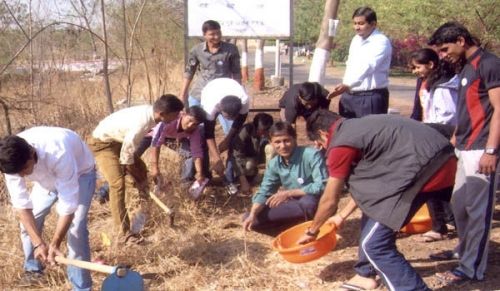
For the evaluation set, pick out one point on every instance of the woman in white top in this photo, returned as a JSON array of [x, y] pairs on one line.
[[437, 89], [435, 102]]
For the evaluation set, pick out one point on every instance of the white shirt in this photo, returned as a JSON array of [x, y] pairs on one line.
[[62, 158], [439, 105], [215, 90], [368, 63], [127, 126]]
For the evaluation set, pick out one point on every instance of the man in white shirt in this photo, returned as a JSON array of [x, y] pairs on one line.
[[61, 168], [366, 78], [227, 98], [114, 143]]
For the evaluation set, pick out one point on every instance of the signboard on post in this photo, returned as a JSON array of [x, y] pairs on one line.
[[241, 18]]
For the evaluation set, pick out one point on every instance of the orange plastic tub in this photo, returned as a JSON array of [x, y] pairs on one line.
[[420, 223], [286, 243]]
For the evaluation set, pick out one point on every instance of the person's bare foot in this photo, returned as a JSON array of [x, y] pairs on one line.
[[359, 283]]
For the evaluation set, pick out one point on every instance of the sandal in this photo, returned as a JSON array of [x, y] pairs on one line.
[[444, 256], [352, 287], [452, 277], [432, 236], [356, 284]]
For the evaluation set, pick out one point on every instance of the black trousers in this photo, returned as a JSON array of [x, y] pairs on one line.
[[440, 211], [359, 104]]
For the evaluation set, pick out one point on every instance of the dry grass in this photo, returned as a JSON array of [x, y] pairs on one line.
[[206, 249]]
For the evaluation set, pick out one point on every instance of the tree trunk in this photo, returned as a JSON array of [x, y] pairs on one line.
[[7, 116], [107, 86], [131, 52], [324, 43], [128, 93], [32, 67]]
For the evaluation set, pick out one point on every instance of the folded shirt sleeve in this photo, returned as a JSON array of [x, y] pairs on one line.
[[270, 184], [19, 195]]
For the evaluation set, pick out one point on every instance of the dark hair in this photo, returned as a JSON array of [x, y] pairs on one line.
[[442, 72], [198, 113], [310, 91], [282, 128], [321, 119], [168, 103], [450, 32], [367, 12], [262, 121], [231, 105], [210, 25], [14, 154]]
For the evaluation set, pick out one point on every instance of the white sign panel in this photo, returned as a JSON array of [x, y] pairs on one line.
[[241, 18]]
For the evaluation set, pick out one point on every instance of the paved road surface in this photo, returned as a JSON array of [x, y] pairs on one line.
[[401, 88]]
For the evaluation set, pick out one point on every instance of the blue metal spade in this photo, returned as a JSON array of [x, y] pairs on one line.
[[120, 278]]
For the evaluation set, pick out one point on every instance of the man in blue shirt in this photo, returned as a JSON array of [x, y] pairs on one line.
[[292, 184]]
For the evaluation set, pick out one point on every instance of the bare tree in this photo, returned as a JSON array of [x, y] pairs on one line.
[[129, 57], [107, 86], [84, 13]]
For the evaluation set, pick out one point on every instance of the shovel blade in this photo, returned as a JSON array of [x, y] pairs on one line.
[[132, 281]]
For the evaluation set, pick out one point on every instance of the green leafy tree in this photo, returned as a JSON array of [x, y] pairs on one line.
[[402, 20]]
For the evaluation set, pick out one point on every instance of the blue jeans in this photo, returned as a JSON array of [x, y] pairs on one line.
[[378, 254], [77, 236], [193, 101], [188, 169], [232, 172], [225, 123]]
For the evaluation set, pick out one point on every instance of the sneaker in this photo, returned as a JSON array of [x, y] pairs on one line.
[[197, 188], [31, 278], [231, 189]]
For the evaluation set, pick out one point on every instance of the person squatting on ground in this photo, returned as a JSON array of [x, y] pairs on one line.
[[302, 100], [114, 142], [292, 185], [435, 102], [477, 138], [209, 60], [366, 78], [248, 151], [185, 130], [422, 164], [61, 168], [227, 99]]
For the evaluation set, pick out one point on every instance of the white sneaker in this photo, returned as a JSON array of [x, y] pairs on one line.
[[231, 189], [197, 188]]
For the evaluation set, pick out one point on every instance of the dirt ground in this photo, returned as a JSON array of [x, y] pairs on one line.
[[207, 249]]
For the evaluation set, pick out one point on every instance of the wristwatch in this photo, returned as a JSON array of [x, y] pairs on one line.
[[491, 151]]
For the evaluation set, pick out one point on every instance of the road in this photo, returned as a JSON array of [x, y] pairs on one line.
[[400, 88]]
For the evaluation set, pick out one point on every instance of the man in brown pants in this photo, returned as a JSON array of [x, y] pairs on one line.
[[114, 142]]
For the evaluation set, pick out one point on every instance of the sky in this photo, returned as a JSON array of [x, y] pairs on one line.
[[49, 9]]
